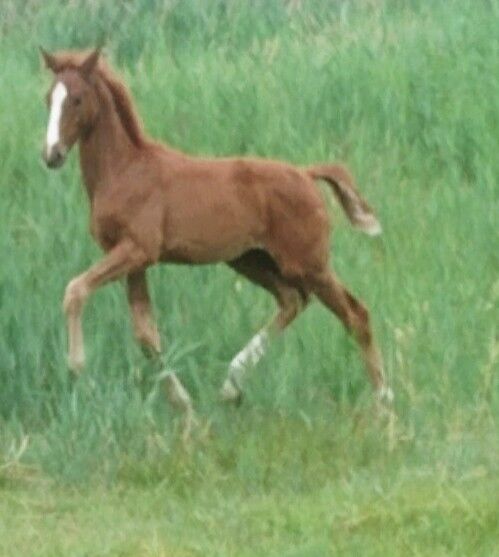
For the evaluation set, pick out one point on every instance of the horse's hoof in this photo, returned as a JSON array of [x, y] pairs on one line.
[[385, 395], [384, 402], [76, 366], [231, 393]]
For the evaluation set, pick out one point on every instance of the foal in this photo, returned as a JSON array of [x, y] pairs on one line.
[[150, 203]]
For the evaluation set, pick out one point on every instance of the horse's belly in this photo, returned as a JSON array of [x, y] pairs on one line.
[[198, 255], [210, 242]]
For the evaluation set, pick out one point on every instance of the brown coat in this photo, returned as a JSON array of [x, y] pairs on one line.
[[151, 203]]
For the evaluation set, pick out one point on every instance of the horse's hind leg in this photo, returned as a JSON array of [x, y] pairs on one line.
[[260, 269], [147, 335], [355, 318]]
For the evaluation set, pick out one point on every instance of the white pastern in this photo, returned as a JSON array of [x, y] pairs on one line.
[[251, 353], [385, 394], [229, 392], [57, 98]]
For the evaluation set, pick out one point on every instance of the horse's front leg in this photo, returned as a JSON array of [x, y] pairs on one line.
[[124, 258], [144, 326], [146, 333]]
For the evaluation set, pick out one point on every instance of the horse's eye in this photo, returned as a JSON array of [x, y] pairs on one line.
[[77, 101]]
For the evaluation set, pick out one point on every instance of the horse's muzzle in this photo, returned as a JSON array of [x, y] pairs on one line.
[[54, 157]]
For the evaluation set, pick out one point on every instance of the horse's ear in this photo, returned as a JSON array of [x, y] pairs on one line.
[[50, 60], [88, 65]]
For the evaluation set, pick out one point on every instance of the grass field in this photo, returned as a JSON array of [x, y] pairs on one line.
[[406, 92]]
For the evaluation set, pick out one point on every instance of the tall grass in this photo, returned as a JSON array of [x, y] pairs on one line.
[[407, 94]]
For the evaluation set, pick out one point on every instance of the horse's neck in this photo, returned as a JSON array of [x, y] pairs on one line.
[[106, 149]]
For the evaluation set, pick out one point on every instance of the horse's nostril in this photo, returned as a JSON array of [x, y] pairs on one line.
[[55, 159]]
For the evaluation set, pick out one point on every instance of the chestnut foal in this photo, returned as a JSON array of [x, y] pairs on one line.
[[150, 203]]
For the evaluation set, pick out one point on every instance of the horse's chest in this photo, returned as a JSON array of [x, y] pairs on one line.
[[106, 229]]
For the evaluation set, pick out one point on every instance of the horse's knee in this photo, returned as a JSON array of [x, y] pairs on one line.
[[74, 296]]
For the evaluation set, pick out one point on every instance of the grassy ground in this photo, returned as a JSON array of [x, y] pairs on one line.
[[416, 516], [407, 94]]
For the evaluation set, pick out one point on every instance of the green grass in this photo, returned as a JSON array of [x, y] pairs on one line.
[[416, 516], [407, 94]]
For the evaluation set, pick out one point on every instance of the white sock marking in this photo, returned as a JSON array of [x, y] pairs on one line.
[[57, 100], [248, 356], [251, 353]]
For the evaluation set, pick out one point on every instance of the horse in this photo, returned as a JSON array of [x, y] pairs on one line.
[[150, 204]]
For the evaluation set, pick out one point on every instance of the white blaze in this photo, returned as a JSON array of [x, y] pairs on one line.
[[59, 93]]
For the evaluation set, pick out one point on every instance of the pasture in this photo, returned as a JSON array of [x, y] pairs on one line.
[[406, 93]]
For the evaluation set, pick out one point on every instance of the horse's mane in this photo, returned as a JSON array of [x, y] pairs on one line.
[[121, 97]]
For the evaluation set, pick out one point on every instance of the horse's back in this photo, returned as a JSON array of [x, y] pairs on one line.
[[215, 209]]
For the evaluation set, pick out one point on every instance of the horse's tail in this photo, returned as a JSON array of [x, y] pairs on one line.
[[345, 190]]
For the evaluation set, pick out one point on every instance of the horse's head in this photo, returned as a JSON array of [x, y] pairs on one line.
[[72, 102]]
